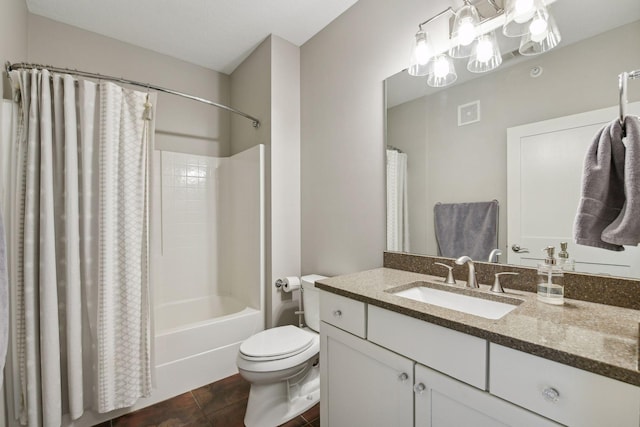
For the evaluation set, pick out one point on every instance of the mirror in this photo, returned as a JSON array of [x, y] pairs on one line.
[[455, 138]]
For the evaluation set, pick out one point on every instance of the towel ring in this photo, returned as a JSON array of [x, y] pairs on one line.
[[623, 78]]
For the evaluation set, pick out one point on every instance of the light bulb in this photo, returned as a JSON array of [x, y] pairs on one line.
[[422, 51], [441, 67], [484, 49], [523, 11], [466, 32], [538, 29]]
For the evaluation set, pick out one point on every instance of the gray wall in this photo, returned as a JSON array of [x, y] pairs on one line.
[[285, 175], [251, 92], [407, 125], [181, 124], [267, 85], [468, 163], [342, 154], [13, 35], [13, 47]]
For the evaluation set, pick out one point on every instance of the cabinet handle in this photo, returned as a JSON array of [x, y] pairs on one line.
[[550, 394], [403, 377], [337, 313], [419, 388]]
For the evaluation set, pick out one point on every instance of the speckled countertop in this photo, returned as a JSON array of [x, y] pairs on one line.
[[598, 338]]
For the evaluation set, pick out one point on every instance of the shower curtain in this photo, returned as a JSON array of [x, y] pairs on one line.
[[397, 203], [80, 239]]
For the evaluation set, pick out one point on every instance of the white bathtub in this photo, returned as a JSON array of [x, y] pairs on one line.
[[197, 341], [175, 315]]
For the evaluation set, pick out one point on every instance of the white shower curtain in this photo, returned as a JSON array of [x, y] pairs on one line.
[[80, 231], [397, 202]]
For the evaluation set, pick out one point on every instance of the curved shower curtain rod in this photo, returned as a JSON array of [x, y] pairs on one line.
[[27, 66]]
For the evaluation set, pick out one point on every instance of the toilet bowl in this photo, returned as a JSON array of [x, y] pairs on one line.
[[282, 366]]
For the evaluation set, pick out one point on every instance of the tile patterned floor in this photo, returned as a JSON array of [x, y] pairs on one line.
[[221, 404]]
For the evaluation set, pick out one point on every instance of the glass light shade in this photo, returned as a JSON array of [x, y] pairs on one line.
[[465, 30], [441, 71], [519, 14], [541, 39], [421, 53], [486, 55]]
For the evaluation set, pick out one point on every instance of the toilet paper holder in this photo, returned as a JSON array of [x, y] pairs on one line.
[[281, 285], [289, 284]]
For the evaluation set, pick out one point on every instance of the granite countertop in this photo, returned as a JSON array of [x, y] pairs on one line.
[[598, 338]]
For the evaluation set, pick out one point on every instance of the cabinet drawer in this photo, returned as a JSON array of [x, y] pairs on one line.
[[344, 313], [459, 355], [563, 393]]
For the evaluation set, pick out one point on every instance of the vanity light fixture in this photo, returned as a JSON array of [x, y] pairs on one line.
[[441, 71], [486, 55], [545, 38], [520, 16], [465, 31], [422, 50], [472, 35], [421, 54]]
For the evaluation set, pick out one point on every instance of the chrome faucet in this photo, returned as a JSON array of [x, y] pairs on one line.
[[472, 281], [493, 256]]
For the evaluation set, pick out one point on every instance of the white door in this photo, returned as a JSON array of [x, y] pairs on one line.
[[544, 175], [363, 384], [441, 401]]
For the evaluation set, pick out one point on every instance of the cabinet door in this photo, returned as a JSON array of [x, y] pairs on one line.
[[441, 401], [362, 384]]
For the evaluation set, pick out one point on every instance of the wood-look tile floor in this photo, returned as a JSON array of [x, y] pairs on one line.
[[220, 404]]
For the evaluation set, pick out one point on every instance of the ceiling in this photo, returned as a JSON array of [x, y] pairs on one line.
[[217, 34]]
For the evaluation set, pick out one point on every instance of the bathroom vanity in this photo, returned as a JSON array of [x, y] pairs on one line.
[[387, 360]]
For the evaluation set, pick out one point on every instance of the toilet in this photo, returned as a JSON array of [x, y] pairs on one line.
[[282, 365]]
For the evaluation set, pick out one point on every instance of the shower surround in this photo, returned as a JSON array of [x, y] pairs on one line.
[[208, 265]]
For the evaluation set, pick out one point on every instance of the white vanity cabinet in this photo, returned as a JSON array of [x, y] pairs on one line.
[[382, 368]]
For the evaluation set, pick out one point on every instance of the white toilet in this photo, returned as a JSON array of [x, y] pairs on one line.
[[282, 366]]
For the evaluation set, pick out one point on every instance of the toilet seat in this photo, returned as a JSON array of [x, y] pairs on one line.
[[276, 343], [281, 361]]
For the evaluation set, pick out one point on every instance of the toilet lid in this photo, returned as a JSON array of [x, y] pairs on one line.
[[277, 342]]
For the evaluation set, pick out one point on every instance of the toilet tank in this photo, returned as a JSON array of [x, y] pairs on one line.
[[311, 301]]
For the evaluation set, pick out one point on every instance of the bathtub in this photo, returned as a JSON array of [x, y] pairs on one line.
[[197, 340]]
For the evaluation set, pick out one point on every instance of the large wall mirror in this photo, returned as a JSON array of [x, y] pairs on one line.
[[456, 138]]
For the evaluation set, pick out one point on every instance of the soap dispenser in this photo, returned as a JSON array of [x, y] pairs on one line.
[[564, 261], [550, 280]]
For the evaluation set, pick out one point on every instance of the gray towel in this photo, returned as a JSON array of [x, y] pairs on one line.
[[625, 229], [603, 198], [466, 229]]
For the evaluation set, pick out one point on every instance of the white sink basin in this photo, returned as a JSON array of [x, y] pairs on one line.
[[486, 308]]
